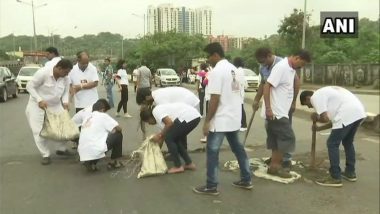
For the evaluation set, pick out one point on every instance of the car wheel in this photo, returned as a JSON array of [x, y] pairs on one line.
[[15, 94], [4, 95]]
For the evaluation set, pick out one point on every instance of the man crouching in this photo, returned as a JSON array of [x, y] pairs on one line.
[[99, 134]]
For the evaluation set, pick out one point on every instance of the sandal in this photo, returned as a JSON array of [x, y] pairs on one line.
[[115, 165]]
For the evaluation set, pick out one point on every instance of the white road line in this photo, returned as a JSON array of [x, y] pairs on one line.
[[371, 140]]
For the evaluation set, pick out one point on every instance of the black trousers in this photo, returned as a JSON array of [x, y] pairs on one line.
[[176, 139], [123, 99], [243, 117], [115, 143], [201, 95]]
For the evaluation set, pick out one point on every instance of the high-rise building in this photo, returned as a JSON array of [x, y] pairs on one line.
[[165, 17]]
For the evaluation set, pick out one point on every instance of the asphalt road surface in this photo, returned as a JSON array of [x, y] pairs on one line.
[[65, 187]]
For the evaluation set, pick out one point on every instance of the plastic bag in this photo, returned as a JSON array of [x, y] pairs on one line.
[[59, 126], [153, 162]]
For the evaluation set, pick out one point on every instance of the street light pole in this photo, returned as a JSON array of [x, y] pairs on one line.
[[34, 20], [141, 16], [303, 38], [122, 47]]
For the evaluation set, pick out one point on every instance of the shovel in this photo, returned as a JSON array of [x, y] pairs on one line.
[[313, 140], [249, 127]]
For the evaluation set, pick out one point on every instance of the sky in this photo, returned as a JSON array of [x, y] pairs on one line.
[[241, 18]]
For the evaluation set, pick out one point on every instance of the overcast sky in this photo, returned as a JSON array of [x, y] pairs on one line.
[[250, 18]]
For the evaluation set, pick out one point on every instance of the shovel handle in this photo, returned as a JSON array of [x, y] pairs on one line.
[[313, 142]]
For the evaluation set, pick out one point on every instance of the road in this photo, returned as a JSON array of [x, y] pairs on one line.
[[65, 187]]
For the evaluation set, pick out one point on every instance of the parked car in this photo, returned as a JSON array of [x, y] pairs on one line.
[[25, 75], [252, 80], [166, 77], [8, 85]]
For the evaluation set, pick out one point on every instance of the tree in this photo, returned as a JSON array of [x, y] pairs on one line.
[[290, 31]]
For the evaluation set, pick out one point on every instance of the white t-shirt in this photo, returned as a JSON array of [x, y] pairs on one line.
[[85, 97], [82, 115], [224, 81], [175, 94], [53, 62], [281, 95], [180, 111], [93, 136], [241, 75], [342, 107], [124, 76]]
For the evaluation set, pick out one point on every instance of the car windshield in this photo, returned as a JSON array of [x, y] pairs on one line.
[[27, 71], [249, 72], [167, 72]]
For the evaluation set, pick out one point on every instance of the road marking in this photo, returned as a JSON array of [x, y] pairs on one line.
[[324, 133], [371, 140]]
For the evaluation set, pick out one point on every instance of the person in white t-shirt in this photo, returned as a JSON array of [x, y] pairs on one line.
[[99, 134], [343, 112], [176, 121], [278, 97], [84, 80], [53, 57], [135, 73], [122, 82], [146, 97], [223, 119], [238, 62]]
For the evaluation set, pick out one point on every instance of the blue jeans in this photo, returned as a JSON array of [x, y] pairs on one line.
[[214, 141], [346, 136], [109, 94]]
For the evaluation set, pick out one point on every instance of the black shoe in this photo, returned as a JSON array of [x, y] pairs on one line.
[[64, 153], [243, 185], [329, 182], [46, 161], [206, 191], [349, 176]]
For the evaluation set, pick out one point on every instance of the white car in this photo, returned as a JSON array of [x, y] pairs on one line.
[[166, 77], [25, 75], [252, 80]]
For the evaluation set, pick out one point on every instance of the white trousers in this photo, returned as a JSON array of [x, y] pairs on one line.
[[35, 116]]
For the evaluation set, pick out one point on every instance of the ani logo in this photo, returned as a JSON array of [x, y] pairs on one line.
[[339, 25]]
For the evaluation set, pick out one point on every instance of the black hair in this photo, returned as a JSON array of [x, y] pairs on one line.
[[79, 54], [303, 54], [204, 67], [305, 94], [142, 93], [263, 52], [52, 50], [214, 47], [65, 64], [146, 113], [119, 64], [238, 62], [101, 104]]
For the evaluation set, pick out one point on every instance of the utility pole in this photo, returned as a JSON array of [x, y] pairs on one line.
[[303, 38]]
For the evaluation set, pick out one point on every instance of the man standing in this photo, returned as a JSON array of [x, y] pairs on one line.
[[108, 81], [144, 77], [267, 61], [278, 97], [223, 119], [53, 56], [344, 112], [84, 80], [49, 90]]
